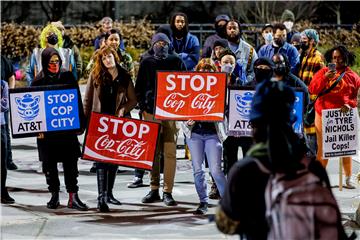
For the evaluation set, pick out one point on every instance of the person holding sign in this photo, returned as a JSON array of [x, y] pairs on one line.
[[145, 92], [57, 147], [109, 90], [343, 95], [205, 138]]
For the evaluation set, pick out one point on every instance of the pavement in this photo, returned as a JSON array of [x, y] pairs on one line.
[[29, 218]]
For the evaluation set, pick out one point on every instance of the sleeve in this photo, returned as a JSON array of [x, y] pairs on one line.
[[131, 98], [73, 65], [206, 51], [78, 61], [140, 86], [318, 82], [4, 96], [30, 70], [261, 52], [250, 75], [351, 99], [192, 54], [88, 98], [294, 59], [96, 43]]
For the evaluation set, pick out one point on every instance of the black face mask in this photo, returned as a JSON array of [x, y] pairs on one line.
[[297, 47], [52, 39], [279, 41], [262, 74], [304, 46], [280, 69], [221, 30]]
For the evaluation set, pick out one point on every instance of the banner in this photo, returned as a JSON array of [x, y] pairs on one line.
[[340, 137], [121, 141], [198, 96], [240, 106], [43, 109]]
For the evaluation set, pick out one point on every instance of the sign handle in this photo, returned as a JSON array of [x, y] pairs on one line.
[[340, 174]]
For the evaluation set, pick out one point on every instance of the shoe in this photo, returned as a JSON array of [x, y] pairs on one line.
[[102, 177], [5, 198], [12, 166], [168, 199], [214, 192], [348, 183], [202, 209], [54, 201], [102, 205], [75, 202], [151, 197], [137, 182], [112, 200]]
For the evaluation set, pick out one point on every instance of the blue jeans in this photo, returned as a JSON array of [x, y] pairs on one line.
[[211, 146]]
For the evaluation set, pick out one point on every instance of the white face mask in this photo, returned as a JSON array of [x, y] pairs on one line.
[[289, 25], [228, 68], [268, 38]]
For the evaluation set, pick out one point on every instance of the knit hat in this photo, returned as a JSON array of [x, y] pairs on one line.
[[159, 37], [222, 17], [221, 42], [311, 33], [287, 16], [264, 61], [227, 51], [295, 38]]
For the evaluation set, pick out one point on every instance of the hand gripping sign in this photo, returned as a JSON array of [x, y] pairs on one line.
[[190, 95], [44, 109], [121, 141]]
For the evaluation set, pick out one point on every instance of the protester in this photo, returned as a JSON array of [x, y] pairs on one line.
[[295, 41], [8, 75], [57, 147], [244, 52], [50, 37], [232, 143], [185, 44], [220, 28], [267, 34], [145, 90], [288, 19], [218, 47], [106, 25], [5, 197], [264, 69], [343, 96], [311, 61], [109, 90], [68, 43], [279, 45], [204, 138]]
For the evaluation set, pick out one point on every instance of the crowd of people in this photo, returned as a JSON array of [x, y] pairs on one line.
[[286, 61]]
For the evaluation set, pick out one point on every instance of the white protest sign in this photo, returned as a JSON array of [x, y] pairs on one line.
[[339, 133]]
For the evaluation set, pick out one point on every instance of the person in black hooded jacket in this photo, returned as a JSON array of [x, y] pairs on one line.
[[54, 147]]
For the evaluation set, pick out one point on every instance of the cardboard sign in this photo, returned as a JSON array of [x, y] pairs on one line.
[[43, 109], [121, 141], [340, 137], [190, 95], [240, 106]]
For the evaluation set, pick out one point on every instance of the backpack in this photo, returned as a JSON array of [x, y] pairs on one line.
[[301, 206]]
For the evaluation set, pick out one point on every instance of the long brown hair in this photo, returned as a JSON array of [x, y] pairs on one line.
[[205, 64], [100, 73]]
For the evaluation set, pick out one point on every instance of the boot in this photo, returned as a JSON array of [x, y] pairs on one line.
[[111, 181], [348, 183], [75, 202], [54, 201], [5, 197], [102, 187], [214, 192]]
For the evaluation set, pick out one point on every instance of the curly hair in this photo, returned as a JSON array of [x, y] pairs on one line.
[[348, 57], [206, 64], [50, 28], [100, 73]]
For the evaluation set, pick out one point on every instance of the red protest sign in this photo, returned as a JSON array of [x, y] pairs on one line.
[[190, 95], [121, 141]]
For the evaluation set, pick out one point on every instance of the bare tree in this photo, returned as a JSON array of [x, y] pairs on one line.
[[54, 10]]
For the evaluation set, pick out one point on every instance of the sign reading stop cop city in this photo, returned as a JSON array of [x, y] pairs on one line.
[[121, 141], [190, 95], [43, 109]]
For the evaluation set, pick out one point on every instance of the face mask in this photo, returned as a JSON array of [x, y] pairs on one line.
[[279, 42], [221, 30], [268, 37], [280, 69], [288, 25], [297, 47], [228, 68], [262, 74], [52, 39], [304, 46], [53, 67], [161, 51]]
